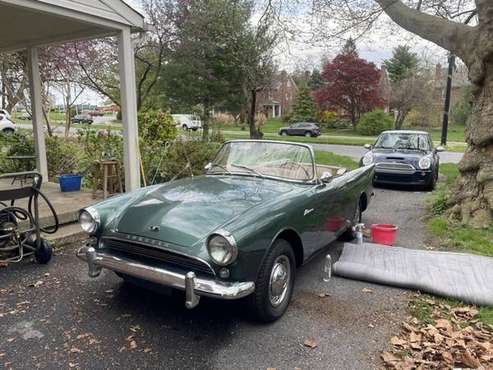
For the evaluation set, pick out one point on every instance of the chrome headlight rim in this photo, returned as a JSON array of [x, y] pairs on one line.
[[425, 165], [232, 247], [94, 215], [367, 159]]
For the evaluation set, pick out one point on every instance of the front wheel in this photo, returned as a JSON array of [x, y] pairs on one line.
[[274, 284], [8, 131], [308, 134]]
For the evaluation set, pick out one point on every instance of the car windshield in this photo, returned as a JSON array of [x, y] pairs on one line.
[[409, 140], [265, 159]]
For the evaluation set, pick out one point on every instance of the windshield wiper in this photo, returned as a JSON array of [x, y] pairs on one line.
[[221, 167], [247, 168]]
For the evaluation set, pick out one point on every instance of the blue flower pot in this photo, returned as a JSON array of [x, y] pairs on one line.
[[70, 182]]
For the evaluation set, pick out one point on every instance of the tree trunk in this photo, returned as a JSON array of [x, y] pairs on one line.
[[473, 195], [399, 120], [255, 133], [206, 118]]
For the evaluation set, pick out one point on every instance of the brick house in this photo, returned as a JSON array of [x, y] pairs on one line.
[[278, 100]]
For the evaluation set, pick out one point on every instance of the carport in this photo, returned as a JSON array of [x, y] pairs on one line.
[[31, 24]]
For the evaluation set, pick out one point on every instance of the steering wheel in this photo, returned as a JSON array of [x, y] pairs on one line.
[[298, 165]]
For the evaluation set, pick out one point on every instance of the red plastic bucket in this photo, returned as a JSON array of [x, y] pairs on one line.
[[385, 234]]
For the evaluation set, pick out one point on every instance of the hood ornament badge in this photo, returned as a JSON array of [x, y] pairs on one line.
[[154, 228]]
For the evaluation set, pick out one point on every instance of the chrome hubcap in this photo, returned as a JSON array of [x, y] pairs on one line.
[[279, 280]]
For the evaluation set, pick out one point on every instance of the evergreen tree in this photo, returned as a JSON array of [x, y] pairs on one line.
[[304, 108], [349, 48], [316, 81], [403, 63]]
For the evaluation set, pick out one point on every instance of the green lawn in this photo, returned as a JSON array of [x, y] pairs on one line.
[[338, 136], [332, 159]]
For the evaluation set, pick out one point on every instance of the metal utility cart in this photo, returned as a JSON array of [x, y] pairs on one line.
[[20, 227]]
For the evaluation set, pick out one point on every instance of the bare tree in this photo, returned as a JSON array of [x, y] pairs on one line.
[[151, 49], [14, 79]]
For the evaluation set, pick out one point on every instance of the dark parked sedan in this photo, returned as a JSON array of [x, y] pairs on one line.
[[404, 157], [308, 129], [82, 118]]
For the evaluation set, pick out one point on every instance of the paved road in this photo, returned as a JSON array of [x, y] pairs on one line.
[[356, 152], [69, 320]]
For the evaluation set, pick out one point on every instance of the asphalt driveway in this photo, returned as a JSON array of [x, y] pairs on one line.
[[56, 317]]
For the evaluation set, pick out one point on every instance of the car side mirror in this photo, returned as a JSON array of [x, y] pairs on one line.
[[208, 166], [326, 177], [368, 146], [439, 149]]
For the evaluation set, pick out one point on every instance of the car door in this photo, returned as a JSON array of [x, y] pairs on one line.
[[301, 129], [325, 213], [292, 129]]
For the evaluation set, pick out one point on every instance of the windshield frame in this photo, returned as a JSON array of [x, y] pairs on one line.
[[312, 180]]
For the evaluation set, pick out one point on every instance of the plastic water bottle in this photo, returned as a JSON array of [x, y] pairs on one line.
[[327, 272], [359, 233]]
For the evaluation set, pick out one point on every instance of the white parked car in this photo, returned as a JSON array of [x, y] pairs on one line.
[[187, 121], [6, 125]]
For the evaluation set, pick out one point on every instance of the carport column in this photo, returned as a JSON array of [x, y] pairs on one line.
[[37, 112], [129, 110]]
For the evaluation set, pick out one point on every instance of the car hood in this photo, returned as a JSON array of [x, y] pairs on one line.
[[186, 211], [399, 156]]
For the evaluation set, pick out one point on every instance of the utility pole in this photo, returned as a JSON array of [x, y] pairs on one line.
[[448, 92]]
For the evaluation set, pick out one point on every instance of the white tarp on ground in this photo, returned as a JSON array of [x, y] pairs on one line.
[[455, 275]]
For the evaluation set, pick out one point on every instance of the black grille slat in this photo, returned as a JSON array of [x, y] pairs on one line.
[[132, 248]]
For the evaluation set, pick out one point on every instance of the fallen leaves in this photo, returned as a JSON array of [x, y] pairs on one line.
[[367, 290], [310, 343], [454, 338], [36, 284]]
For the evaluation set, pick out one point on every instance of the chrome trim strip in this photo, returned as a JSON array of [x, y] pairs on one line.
[[141, 241], [193, 285], [397, 168]]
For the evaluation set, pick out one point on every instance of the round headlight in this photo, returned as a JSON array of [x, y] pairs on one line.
[[222, 249], [88, 222], [425, 163], [367, 159]]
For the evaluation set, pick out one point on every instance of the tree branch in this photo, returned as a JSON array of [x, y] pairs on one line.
[[445, 33]]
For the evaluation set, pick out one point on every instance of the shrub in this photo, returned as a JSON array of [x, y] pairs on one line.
[[156, 127], [181, 159], [16, 144], [373, 123], [64, 157]]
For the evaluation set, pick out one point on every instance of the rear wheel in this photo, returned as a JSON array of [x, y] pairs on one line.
[[284, 133], [350, 233], [274, 284], [8, 130], [184, 127]]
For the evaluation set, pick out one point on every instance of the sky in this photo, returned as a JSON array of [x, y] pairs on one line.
[[300, 53]]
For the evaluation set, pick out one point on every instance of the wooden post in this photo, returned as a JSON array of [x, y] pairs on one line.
[[128, 95], [37, 112]]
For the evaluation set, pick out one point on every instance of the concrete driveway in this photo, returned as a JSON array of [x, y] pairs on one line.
[[356, 152], [56, 317]]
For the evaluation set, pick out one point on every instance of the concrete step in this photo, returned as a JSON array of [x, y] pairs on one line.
[[66, 234]]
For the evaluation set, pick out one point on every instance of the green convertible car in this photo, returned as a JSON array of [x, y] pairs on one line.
[[262, 209]]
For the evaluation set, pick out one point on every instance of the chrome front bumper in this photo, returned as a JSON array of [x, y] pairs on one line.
[[193, 285]]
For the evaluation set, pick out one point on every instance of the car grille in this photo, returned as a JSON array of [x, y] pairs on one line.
[[141, 249], [400, 168]]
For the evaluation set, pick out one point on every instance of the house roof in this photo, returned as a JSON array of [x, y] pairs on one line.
[[26, 23]]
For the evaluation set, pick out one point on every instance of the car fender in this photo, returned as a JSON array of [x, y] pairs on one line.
[[276, 236]]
